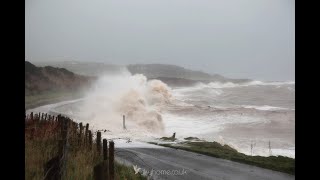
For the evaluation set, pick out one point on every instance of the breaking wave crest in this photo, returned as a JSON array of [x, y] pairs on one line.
[[251, 83]]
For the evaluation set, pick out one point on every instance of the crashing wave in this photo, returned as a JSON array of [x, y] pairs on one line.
[[141, 101]]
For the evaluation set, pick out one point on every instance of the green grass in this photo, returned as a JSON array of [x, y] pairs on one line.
[[32, 101], [214, 149]]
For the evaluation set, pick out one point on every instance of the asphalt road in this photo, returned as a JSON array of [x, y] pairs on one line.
[[169, 163]]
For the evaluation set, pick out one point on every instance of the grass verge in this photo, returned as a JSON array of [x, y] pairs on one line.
[[80, 160], [214, 149]]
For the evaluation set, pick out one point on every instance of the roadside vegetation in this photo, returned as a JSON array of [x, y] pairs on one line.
[[42, 145], [214, 149]]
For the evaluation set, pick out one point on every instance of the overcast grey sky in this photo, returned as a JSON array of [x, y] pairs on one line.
[[236, 38]]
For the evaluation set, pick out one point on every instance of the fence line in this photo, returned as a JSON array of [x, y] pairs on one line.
[[69, 133]]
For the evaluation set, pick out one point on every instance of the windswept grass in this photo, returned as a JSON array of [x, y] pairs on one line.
[[80, 161], [37, 153]]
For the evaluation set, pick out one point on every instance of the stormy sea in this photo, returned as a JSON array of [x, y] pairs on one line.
[[255, 117]]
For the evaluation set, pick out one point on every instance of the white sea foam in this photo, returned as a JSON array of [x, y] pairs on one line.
[[200, 126], [264, 108], [291, 89], [219, 85], [271, 83], [184, 92]]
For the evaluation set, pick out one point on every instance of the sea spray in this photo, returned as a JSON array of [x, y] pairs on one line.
[[141, 101]]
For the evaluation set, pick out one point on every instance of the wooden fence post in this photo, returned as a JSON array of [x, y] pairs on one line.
[[62, 125], [90, 140], [36, 117], [63, 145], [105, 149], [55, 168], [59, 120], [99, 142], [101, 171], [80, 134], [111, 160], [86, 134], [31, 116], [75, 128]]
